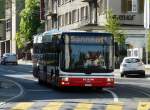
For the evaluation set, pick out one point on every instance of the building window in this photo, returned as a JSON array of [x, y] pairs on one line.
[[134, 5], [131, 5], [59, 21], [84, 13], [74, 16], [69, 17], [8, 25], [66, 18], [8, 4], [63, 20]]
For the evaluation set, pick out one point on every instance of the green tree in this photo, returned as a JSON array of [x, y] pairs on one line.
[[30, 22], [2, 9], [20, 40], [112, 25]]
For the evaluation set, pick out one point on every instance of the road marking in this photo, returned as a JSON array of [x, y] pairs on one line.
[[115, 106], [84, 106], [113, 94], [144, 106], [20, 93], [133, 83], [53, 106], [23, 106], [39, 90]]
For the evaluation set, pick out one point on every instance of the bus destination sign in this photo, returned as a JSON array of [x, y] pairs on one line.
[[91, 39]]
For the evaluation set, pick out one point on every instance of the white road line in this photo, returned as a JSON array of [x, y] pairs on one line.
[[143, 92], [133, 83], [113, 94], [31, 90], [12, 98]]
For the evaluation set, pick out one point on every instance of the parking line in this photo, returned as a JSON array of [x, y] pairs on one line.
[[84, 106], [115, 106], [144, 106], [53, 106]]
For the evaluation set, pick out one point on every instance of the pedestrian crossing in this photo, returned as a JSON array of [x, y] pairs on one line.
[[60, 105]]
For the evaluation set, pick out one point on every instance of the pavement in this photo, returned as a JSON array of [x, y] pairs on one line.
[[9, 89]]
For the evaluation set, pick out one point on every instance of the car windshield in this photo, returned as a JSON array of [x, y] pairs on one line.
[[132, 60]]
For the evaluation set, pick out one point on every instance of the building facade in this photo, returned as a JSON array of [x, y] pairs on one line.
[[11, 20], [2, 25], [90, 15]]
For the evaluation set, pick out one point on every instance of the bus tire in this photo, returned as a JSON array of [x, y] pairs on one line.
[[39, 80]]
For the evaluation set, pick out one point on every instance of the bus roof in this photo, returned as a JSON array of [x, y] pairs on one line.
[[74, 32], [47, 36]]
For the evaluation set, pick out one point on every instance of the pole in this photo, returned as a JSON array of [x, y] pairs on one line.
[[146, 25], [146, 45]]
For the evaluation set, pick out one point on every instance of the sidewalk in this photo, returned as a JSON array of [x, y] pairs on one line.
[[25, 62], [147, 66], [7, 90]]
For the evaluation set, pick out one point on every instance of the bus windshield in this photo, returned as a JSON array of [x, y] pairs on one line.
[[88, 54]]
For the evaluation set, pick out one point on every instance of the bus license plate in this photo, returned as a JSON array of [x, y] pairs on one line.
[[88, 85]]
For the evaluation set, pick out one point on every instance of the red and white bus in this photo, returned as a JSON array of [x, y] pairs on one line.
[[78, 59]]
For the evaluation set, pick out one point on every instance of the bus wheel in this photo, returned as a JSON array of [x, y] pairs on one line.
[[100, 89], [39, 80]]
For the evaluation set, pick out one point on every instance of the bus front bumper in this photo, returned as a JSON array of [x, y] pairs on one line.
[[86, 82]]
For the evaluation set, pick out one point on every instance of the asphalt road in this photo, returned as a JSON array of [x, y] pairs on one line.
[[128, 94]]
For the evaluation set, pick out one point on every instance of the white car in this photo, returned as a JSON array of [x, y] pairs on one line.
[[9, 58], [132, 66]]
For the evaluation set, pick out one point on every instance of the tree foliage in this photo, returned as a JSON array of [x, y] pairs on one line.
[[30, 22], [20, 40], [112, 25]]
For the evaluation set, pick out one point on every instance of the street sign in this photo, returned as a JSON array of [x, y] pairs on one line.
[[146, 14]]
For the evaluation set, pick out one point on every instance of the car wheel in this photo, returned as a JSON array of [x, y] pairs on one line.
[[4, 63], [143, 75]]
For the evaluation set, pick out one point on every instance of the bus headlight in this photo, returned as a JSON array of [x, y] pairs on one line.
[[109, 79], [65, 79]]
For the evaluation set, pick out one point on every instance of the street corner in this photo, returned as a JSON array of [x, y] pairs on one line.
[[9, 90]]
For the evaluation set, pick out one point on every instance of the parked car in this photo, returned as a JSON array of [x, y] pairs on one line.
[[9, 58], [132, 66]]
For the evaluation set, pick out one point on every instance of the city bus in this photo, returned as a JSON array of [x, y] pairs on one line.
[[74, 59]]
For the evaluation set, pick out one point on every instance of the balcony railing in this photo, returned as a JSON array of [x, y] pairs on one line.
[[51, 13], [87, 22]]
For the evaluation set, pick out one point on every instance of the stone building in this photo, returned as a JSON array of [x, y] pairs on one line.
[[90, 15]]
